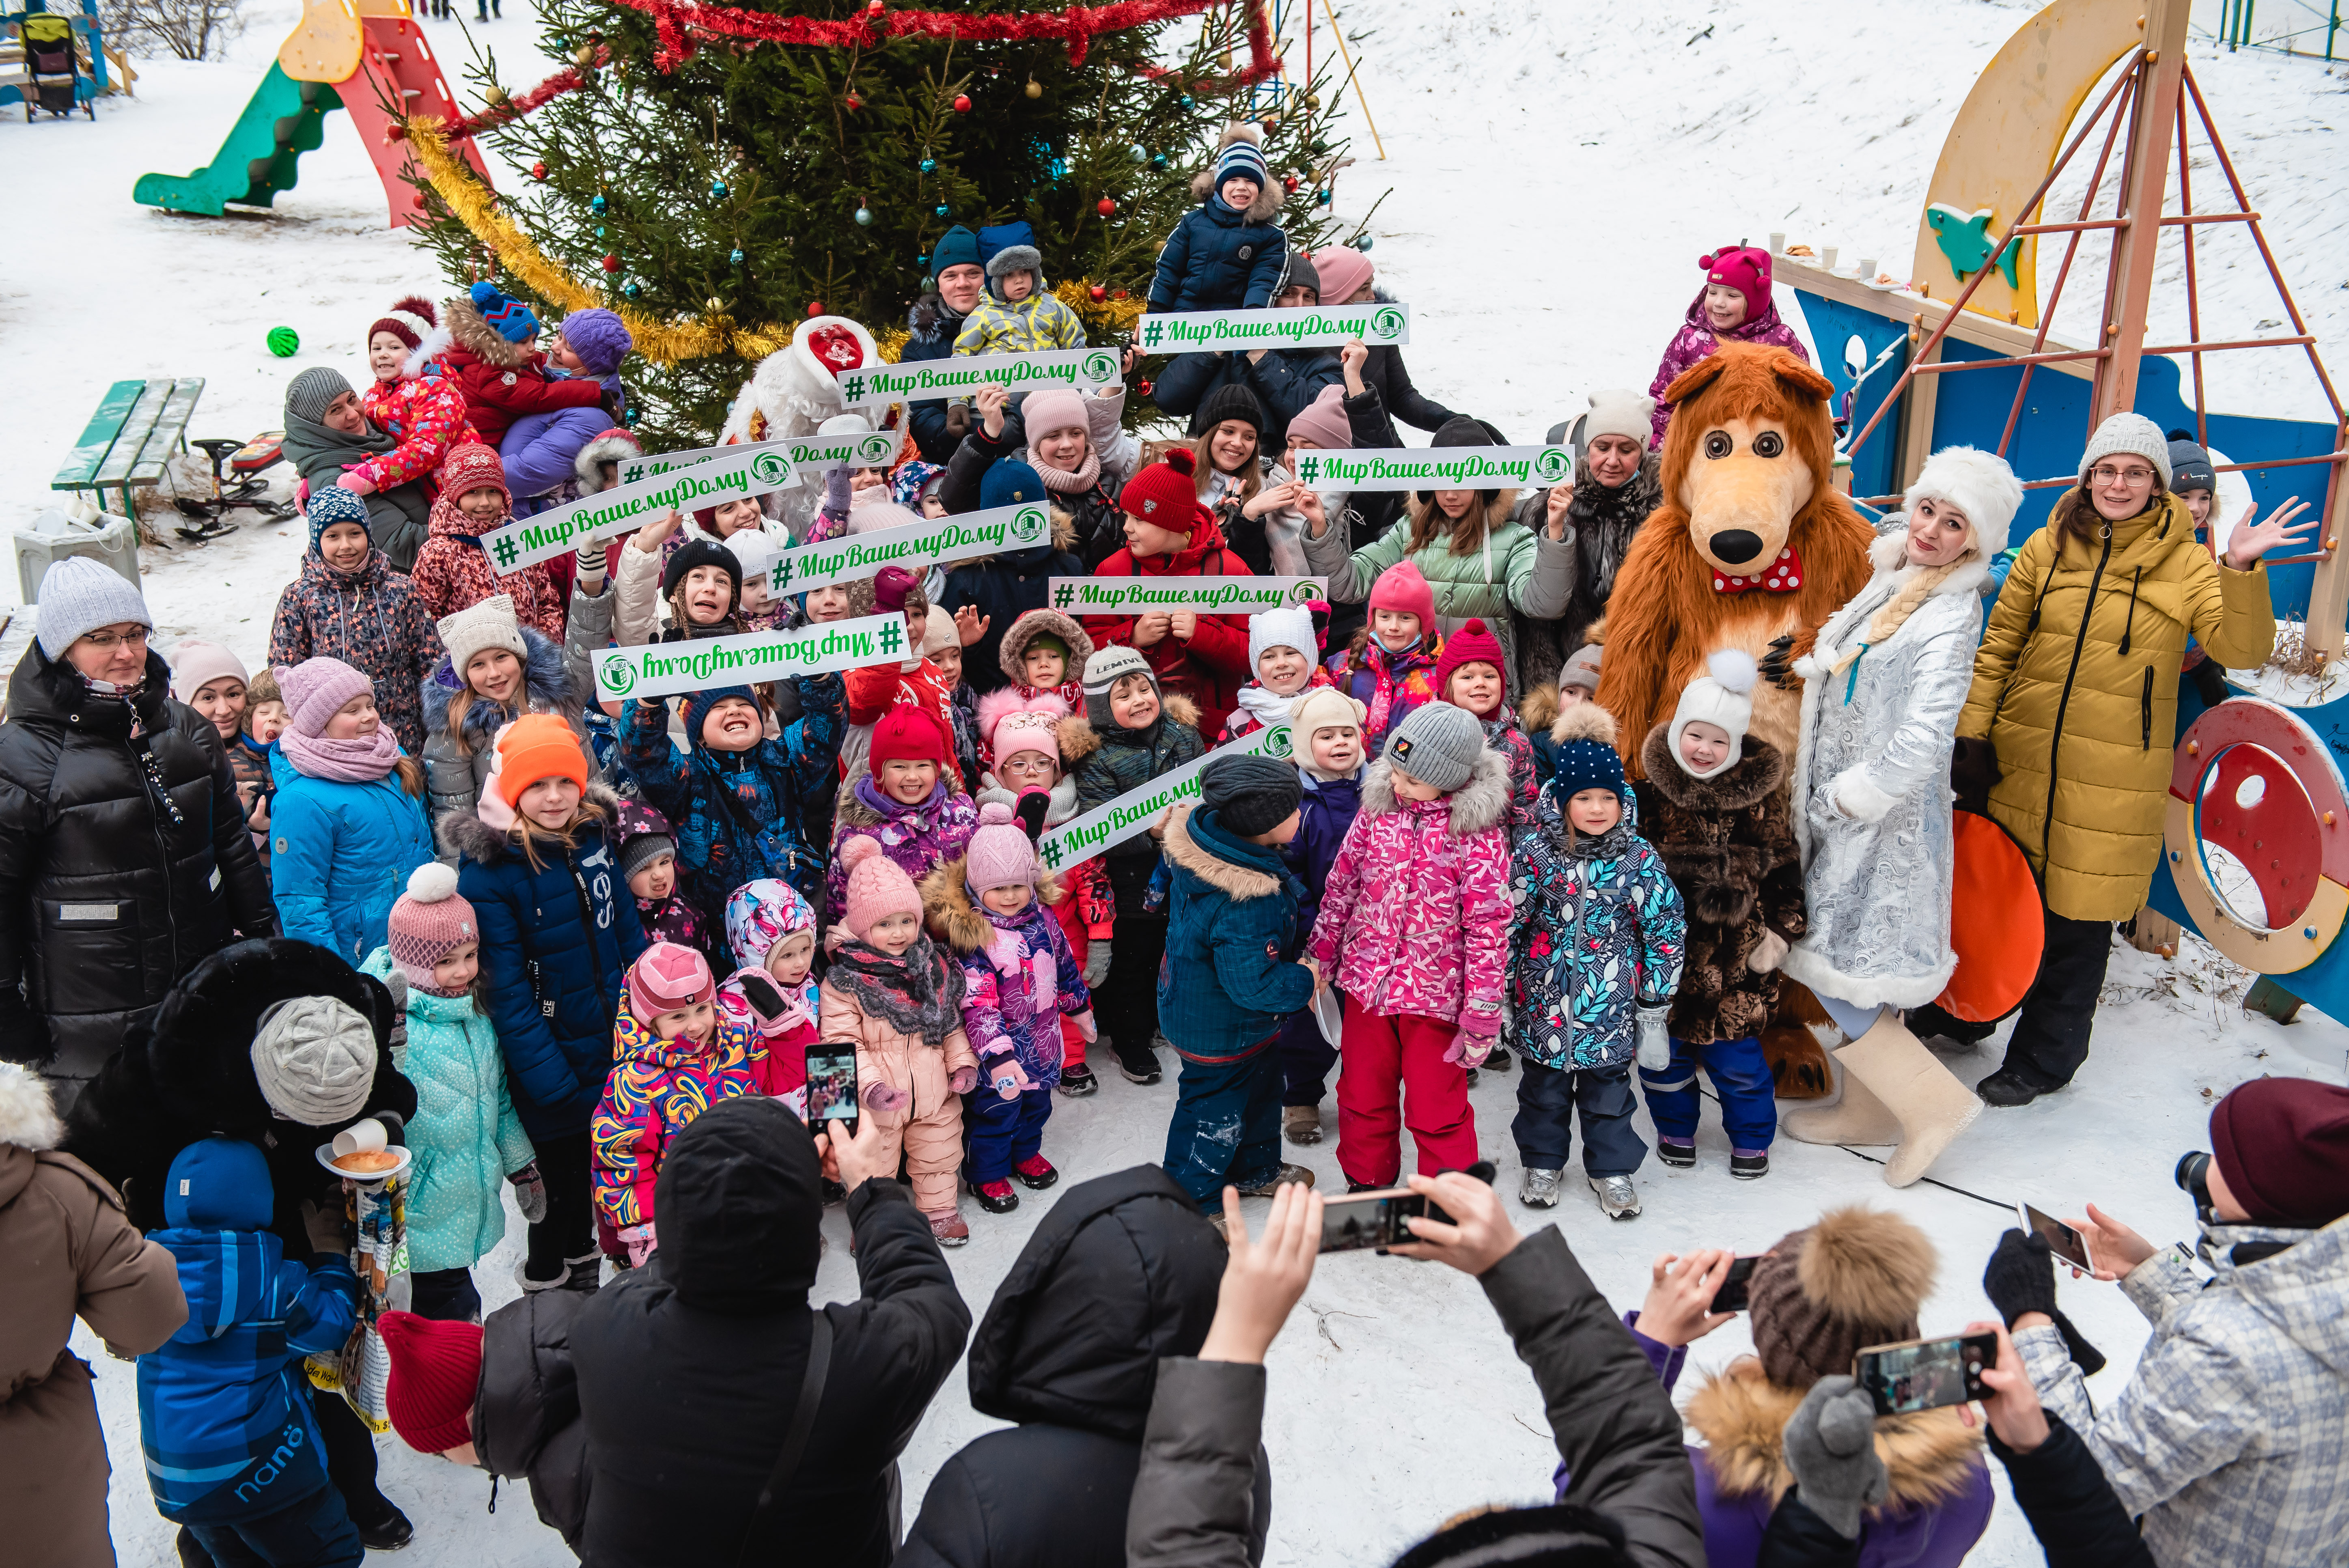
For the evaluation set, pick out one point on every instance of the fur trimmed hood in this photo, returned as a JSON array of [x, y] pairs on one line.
[[1268, 200], [1079, 739], [463, 831], [543, 680], [611, 447], [477, 338], [792, 391], [28, 1117], [1753, 778], [1931, 1456], [1024, 630], [953, 919], [1482, 802], [1239, 882]]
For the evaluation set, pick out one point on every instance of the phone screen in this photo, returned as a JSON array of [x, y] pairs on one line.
[[1925, 1374], [831, 1088], [1731, 1296], [1361, 1221], [2061, 1240]]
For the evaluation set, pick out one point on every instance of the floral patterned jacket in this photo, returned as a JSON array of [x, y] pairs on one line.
[[1597, 933], [656, 1089], [427, 414]]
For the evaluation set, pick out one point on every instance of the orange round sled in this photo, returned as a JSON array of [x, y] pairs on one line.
[[1997, 925]]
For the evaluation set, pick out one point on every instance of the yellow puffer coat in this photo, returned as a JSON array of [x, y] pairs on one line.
[[2076, 687]]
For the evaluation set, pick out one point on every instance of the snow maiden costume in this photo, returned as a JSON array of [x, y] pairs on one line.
[[1881, 695]]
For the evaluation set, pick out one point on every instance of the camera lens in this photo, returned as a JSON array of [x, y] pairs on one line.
[[2193, 1176]]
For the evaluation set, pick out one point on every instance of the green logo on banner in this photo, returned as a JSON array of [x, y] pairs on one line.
[[1276, 742], [1386, 322], [875, 449], [1552, 464], [1029, 524], [619, 677], [769, 468], [1100, 365], [1303, 592]]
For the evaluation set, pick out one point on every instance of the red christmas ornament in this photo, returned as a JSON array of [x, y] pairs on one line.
[[1098, 292], [538, 170], [873, 9], [1119, 295], [611, 264], [854, 103], [962, 103], [1289, 183], [1142, 387], [1105, 206], [815, 307]]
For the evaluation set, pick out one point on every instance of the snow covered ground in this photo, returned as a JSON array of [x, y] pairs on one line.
[[1556, 171]]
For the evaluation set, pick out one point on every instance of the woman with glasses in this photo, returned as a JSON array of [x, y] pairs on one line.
[[124, 856], [2075, 692]]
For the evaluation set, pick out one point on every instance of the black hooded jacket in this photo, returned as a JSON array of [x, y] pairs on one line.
[[106, 899], [187, 1075], [689, 1370], [526, 1422], [1122, 1272]]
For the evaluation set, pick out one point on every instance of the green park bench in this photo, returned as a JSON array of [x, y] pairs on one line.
[[137, 428]]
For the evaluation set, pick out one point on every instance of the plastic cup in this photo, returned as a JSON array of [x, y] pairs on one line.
[[1867, 269], [1827, 258], [366, 1137], [1777, 241]]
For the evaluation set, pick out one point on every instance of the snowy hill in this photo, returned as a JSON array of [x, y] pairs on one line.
[[1555, 170]]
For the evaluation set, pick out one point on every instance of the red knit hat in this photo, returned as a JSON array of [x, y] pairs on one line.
[[666, 976], [474, 467], [1403, 587], [410, 320], [1167, 494], [1470, 645], [534, 746], [908, 733], [2283, 1146], [1744, 268], [436, 1372]]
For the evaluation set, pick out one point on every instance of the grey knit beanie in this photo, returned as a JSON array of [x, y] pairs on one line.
[[2129, 436], [77, 596], [308, 395], [1438, 743], [1250, 795], [1106, 669], [314, 1057]]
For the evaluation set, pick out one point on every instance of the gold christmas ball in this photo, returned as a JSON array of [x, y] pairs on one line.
[[494, 96], [583, 53], [1225, 59], [1313, 101], [712, 305], [1035, 89]]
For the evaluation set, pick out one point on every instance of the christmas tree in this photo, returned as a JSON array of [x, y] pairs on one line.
[[701, 170]]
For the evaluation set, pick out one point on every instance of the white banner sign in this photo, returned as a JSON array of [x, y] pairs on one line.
[[1080, 838], [664, 669], [1317, 326], [1435, 467], [822, 454], [634, 469], [1220, 595], [914, 546], [741, 471], [1085, 369]]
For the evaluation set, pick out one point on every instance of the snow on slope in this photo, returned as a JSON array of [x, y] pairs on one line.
[[1555, 172]]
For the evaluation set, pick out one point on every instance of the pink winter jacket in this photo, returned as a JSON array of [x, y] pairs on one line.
[[427, 416], [1696, 340], [1415, 916]]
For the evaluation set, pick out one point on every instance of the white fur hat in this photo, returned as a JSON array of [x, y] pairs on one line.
[[1619, 411], [1724, 696], [1288, 627], [853, 423], [1979, 484], [2132, 435], [755, 551]]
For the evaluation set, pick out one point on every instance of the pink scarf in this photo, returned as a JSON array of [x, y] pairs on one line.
[[1063, 482], [359, 761]]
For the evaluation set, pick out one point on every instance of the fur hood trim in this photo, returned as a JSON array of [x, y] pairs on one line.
[[1482, 802], [1079, 739], [1931, 1456], [953, 919], [1539, 708], [1023, 631], [478, 338], [1753, 778], [611, 446], [1268, 200], [1240, 881], [1583, 721], [543, 683], [463, 831], [28, 1117]]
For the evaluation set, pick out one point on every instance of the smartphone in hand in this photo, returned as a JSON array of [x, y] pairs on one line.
[[1925, 1374], [832, 1091], [1731, 1296], [1360, 1221], [2061, 1240]]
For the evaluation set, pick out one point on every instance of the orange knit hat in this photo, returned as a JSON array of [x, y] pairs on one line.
[[534, 746]]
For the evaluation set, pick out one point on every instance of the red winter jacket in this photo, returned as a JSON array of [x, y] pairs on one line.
[[427, 413], [500, 380], [1213, 666]]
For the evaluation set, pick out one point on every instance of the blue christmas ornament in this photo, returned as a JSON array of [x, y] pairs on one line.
[[1138, 153], [736, 257], [929, 165], [631, 290], [599, 231], [1360, 242], [1321, 198], [718, 188], [596, 206], [1060, 169], [944, 210], [865, 217], [1157, 161], [1187, 100]]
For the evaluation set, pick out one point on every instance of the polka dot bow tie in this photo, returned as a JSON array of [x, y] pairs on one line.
[[1783, 575]]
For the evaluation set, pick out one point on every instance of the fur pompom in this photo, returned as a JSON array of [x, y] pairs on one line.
[[1583, 721], [1865, 1265], [432, 883], [29, 1118], [1733, 670]]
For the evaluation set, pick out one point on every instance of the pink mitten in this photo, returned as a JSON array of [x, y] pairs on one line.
[[641, 1242], [963, 1080], [1469, 1050], [1010, 1078], [1086, 1027], [885, 1097]]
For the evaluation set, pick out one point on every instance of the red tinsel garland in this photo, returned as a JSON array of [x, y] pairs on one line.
[[565, 81]]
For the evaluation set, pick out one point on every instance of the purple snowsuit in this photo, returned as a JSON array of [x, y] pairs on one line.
[[1696, 339], [539, 450], [918, 839]]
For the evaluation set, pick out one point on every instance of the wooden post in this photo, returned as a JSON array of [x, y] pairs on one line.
[[2328, 597], [1916, 416], [2128, 285], [2154, 932]]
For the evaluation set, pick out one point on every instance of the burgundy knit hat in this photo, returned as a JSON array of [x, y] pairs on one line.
[[1167, 494], [1744, 268], [666, 976], [2282, 1147], [1855, 1278], [436, 1372], [410, 320], [473, 467], [1472, 645], [429, 922]]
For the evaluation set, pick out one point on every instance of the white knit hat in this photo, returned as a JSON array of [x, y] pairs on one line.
[[196, 663], [314, 1057], [755, 551], [1724, 696], [2128, 435], [491, 624], [1289, 627], [1619, 411], [77, 596], [1979, 484]]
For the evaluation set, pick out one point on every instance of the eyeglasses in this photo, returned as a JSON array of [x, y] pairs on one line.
[[1029, 765], [2130, 476], [106, 642]]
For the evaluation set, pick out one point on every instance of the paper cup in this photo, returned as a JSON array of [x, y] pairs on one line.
[[364, 1137], [1778, 242], [1827, 258], [1867, 269]]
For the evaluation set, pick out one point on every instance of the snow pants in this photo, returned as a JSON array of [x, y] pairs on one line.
[[1003, 1132], [1306, 1059], [1740, 1075], [932, 1145], [1226, 1123], [1547, 1099], [2051, 1036], [315, 1532], [1394, 1076]]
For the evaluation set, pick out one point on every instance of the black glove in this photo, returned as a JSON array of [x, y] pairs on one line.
[[615, 405], [2022, 1278], [1973, 770], [1778, 663], [1033, 804]]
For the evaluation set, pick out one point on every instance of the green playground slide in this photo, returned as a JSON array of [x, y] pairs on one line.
[[284, 119]]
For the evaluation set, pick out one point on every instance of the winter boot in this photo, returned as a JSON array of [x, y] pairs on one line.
[[1930, 1102], [1286, 1175], [948, 1227], [1139, 1066], [1679, 1154], [1617, 1196], [1859, 1117], [1078, 1080], [1540, 1190], [1749, 1165], [1500, 1061], [996, 1197], [387, 1531], [1302, 1123], [1035, 1171]]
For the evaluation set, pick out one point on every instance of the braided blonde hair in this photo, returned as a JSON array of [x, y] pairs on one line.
[[1897, 610]]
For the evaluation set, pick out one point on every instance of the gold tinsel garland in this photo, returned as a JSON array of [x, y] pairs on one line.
[[1099, 315]]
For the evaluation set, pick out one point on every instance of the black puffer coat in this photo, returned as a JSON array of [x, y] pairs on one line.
[[187, 1075], [689, 1370], [1002, 588], [1122, 1271], [106, 897], [526, 1424]]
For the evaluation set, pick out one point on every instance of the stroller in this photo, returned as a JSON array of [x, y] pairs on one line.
[[50, 61]]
